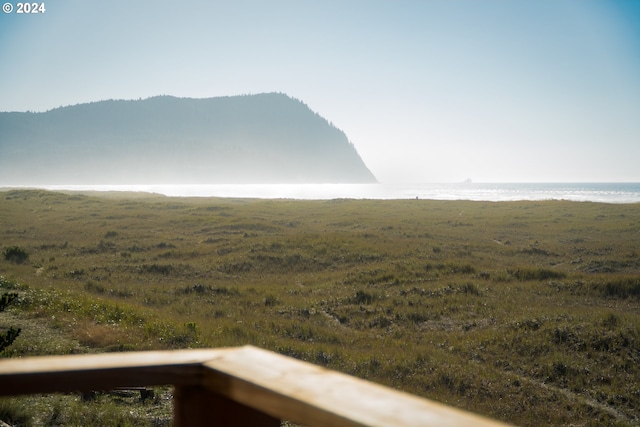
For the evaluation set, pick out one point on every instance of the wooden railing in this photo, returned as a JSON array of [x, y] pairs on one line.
[[242, 386]]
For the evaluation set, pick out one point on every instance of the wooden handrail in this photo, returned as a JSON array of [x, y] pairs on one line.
[[236, 387]]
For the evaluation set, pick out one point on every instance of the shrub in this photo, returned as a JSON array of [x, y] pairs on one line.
[[362, 297], [6, 299], [7, 338], [470, 288], [622, 288], [95, 288], [525, 274], [200, 289], [270, 301], [165, 270], [15, 254], [14, 414], [7, 284]]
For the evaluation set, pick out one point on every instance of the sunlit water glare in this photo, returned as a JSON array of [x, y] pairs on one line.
[[595, 192]]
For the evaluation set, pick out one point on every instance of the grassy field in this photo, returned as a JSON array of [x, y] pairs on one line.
[[522, 311]]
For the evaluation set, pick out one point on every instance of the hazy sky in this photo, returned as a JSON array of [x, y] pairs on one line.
[[427, 91]]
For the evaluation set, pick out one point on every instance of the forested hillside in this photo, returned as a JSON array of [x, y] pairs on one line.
[[265, 138]]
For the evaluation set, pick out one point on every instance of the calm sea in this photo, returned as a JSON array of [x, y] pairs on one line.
[[595, 192]]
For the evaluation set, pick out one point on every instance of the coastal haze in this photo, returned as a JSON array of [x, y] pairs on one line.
[[266, 138], [426, 91], [437, 196], [493, 192]]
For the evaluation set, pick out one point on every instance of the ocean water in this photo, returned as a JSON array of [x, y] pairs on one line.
[[595, 192]]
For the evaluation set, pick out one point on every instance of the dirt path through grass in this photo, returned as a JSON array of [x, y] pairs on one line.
[[574, 397]]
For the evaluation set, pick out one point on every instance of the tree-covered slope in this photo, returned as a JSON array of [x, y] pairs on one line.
[[263, 138]]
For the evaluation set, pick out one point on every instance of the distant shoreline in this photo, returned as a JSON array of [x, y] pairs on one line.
[[491, 192]]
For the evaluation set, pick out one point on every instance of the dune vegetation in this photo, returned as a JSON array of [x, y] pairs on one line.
[[526, 312]]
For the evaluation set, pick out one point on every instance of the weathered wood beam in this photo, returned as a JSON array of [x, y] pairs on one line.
[[237, 387], [310, 395], [50, 374]]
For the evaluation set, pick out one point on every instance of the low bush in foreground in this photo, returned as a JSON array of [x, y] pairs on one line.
[[15, 254]]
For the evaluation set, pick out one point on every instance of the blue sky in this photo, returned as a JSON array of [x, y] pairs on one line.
[[427, 91]]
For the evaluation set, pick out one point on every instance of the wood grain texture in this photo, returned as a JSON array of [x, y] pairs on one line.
[[236, 386], [50, 374], [314, 396]]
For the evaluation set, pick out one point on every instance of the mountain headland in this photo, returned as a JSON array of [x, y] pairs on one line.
[[263, 138]]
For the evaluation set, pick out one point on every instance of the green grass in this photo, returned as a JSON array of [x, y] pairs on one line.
[[122, 408], [522, 311]]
